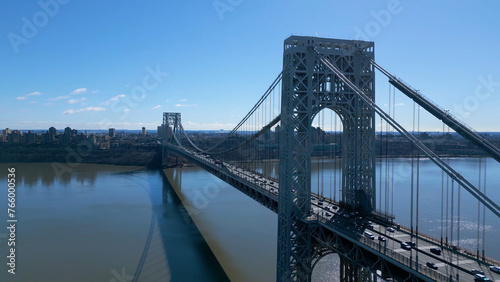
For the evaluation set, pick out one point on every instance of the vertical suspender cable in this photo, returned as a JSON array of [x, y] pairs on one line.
[[418, 171], [331, 154], [392, 157], [484, 208], [447, 202], [380, 167], [451, 228], [323, 133], [412, 171], [478, 210], [458, 216], [335, 160], [387, 127], [442, 199]]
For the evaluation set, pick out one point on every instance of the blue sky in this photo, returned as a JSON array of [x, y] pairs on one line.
[[100, 64]]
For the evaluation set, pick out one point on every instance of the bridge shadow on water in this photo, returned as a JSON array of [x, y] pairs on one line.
[[175, 250]]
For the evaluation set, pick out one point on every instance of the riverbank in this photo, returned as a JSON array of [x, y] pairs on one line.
[[37, 153]]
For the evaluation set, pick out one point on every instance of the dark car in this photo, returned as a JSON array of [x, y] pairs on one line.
[[477, 271], [431, 265], [381, 238], [480, 277], [411, 244], [495, 268], [436, 251], [405, 246], [370, 226], [390, 229]]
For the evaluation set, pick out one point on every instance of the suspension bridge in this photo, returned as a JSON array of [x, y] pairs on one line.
[[347, 210]]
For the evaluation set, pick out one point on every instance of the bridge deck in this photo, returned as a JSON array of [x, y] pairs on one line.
[[356, 230]]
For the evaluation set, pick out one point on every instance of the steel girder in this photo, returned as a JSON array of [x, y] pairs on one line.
[[307, 88]]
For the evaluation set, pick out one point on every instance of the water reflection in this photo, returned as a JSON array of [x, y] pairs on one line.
[[94, 221], [30, 174]]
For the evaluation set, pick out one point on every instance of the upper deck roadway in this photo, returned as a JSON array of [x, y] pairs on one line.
[[343, 230]]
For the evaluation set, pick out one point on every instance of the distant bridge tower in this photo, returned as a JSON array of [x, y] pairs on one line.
[[309, 87], [171, 125]]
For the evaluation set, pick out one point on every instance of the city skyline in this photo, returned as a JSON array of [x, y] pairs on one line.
[[95, 66]]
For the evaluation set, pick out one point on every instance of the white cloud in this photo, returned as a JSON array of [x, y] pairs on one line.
[[47, 104], [126, 110], [79, 91], [156, 107], [33, 102], [59, 98], [185, 105], [74, 101], [115, 98], [183, 100], [87, 109], [94, 91], [92, 109], [20, 98]]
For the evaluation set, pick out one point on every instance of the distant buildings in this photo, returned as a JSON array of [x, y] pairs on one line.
[[70, 137], [53, 131], [15, 136], [31, 138], [161, 132]]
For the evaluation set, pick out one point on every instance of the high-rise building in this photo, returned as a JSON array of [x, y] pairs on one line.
[[15, 137], [30, 137], [66, 138], [112, 132], [162, 132], [6, 132], [53, 131], [143, 131]]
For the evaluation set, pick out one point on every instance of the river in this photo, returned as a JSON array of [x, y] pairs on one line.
[[101, 223], [109, 223]]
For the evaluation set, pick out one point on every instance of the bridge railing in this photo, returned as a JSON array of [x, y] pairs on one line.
[[454, 248], [381, 247]]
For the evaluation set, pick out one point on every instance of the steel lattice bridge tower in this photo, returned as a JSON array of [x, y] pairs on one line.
[[337, 75], [309, 87]]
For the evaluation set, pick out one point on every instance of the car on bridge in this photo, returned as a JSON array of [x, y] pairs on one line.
[[431, 265], [381, 238], [436, 251], [405, 246], [495, 268], [480, 277], [369, 235], [477, 271], [390, 229], [411, 244]]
